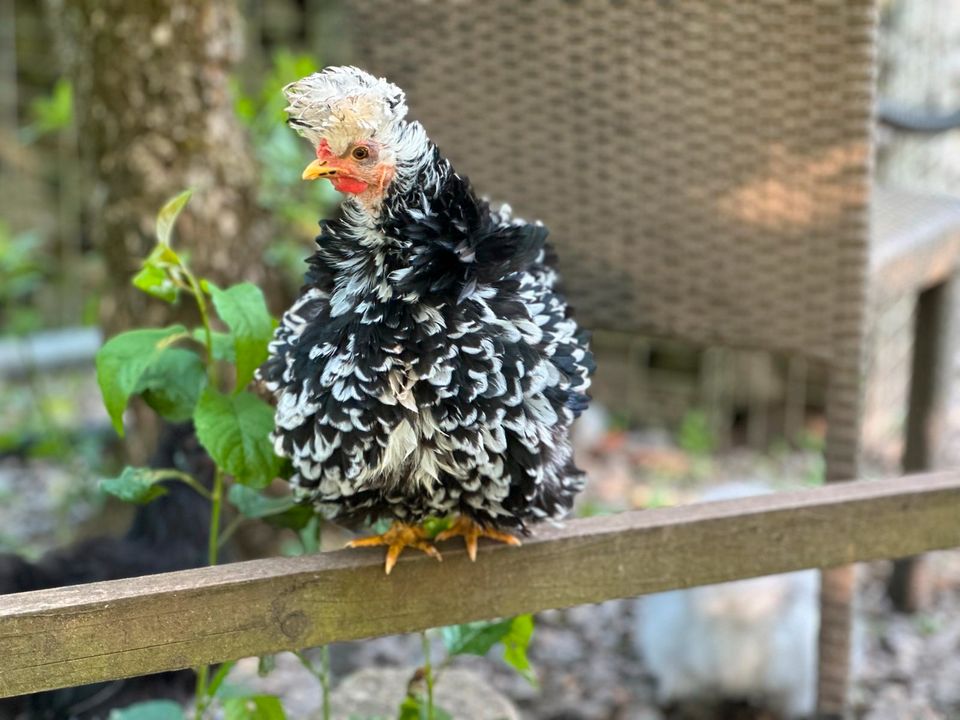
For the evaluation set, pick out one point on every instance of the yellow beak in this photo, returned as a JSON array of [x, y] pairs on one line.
[[318, 169]]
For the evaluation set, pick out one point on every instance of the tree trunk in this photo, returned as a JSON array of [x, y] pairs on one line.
[[154, 117]]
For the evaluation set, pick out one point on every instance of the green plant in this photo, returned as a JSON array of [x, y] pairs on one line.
[[476, 638], [697, 440], [696, 437], [21, 274], [201, 374], [50, 113]]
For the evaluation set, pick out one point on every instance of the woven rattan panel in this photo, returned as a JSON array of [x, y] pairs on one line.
[[702, 165]]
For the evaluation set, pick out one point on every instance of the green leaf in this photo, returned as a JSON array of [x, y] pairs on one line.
[[234, 429], [479, 637], [151, 710], [222, 344], [296, 518], [474, 638], [253, 504], [168, 216], [244, 310], [411, 709], [164, 257], [515, 644], [216, 682], [135, 485], [415, 708], [228, 690], [53, 112], [278, 511], [154, 281], [161, 270], [309, 534], [253, 707], [172, 383], [433, 526], [123, 360]]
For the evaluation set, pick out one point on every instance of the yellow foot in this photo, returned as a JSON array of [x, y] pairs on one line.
[[399, 536], [471, 532]]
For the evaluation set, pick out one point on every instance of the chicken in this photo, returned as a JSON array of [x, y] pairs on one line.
[[430, 366]]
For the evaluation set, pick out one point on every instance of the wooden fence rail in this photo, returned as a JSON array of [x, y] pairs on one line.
[[81, 634]]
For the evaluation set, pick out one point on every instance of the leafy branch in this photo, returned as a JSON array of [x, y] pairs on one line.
[[181, 373], [477, 638]]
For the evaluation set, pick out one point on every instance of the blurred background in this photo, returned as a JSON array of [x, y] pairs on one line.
[[88, 154]]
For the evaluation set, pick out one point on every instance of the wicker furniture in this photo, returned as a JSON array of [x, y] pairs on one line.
[[703, 167], [914, 261]]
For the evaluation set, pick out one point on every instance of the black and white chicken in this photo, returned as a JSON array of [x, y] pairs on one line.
[[430, 366]]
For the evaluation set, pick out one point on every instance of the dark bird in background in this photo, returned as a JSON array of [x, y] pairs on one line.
[[168, 534], [430, 366]]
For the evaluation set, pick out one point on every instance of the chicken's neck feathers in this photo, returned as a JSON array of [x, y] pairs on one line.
[[432, 237]]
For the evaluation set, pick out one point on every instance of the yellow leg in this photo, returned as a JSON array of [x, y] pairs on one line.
[[399, 536], [471, 532]]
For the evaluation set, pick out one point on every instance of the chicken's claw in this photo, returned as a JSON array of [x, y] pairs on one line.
[[399, 536], [472, 532]]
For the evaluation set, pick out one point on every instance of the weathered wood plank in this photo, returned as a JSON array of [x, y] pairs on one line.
[[118, 629]]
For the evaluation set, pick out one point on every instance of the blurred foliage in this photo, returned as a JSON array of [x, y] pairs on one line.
[[50, 113], [293, 204], [816, 473], [695, 436], [21, 274], [696, 439]]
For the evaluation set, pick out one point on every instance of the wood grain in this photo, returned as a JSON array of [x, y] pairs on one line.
[[75, 635]]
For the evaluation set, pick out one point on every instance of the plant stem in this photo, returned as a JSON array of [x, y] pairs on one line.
[[427, 672], [170, 474], [205, 320], [216, 503], [230, 530], [323, 674], [200, 695], [447, 661], [325, 679], [213, 546]]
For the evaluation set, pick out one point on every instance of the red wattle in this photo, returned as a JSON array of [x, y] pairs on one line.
[[348, 184]]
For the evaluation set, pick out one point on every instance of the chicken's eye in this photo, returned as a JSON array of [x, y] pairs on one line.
[[360, 152]]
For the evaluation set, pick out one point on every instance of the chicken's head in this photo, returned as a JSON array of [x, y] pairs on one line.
[[356, 124]]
